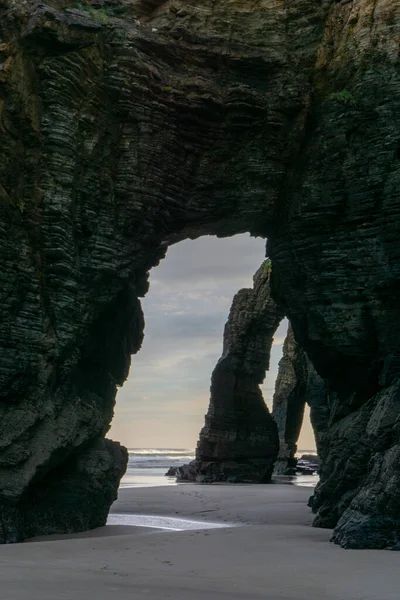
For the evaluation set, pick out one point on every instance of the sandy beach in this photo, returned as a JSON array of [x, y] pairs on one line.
[[265, 550]]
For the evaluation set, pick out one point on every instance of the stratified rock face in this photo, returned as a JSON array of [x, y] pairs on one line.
[[75, 497], [351, 334], [239, 441], [371, 515], [120, 134], [289, 401], [337, 252], [317, 400], [362, 500], [123, 133], [297, 383]]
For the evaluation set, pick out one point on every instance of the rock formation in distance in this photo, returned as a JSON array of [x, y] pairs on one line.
[[239, 441], [289, 402], [297, 384]]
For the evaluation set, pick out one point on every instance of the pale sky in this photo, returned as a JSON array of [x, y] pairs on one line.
[[164, 400]]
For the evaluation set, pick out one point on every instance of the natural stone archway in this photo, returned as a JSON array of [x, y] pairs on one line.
[[289, 401], [297, 384], [239, 441], [124, 133]]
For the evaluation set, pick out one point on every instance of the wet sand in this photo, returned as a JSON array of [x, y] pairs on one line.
[[271, 553]]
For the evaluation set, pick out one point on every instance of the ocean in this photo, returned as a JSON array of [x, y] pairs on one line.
[[147, 467]]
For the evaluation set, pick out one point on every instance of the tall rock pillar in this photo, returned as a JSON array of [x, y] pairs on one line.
[[239, 441]]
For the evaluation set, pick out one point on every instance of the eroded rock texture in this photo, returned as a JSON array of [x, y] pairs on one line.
[[297, 384], [289, 401], [239, 441], [347, 272], [125, 130], [74, 497]]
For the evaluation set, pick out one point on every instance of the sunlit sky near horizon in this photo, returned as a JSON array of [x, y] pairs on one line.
[[164, 400]]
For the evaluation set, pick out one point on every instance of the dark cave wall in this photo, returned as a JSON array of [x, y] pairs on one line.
[[117, 140], [346, 268]]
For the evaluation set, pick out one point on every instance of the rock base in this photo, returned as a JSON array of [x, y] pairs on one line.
[[257, 471], [76, 497]]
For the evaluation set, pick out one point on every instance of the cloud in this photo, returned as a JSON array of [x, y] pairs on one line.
[[209, 262]]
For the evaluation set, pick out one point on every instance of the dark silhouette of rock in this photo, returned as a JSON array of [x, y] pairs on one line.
[[239, 441], [289, 401], [172, 472], [75, 497], [314, 459], [127, 132], [297, 384]]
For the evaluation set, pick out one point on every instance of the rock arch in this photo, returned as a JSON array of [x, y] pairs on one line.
[[297, 384], [122, 135]]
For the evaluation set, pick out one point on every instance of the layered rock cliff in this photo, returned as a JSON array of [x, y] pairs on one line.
[[129, 126], [239, 441]]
